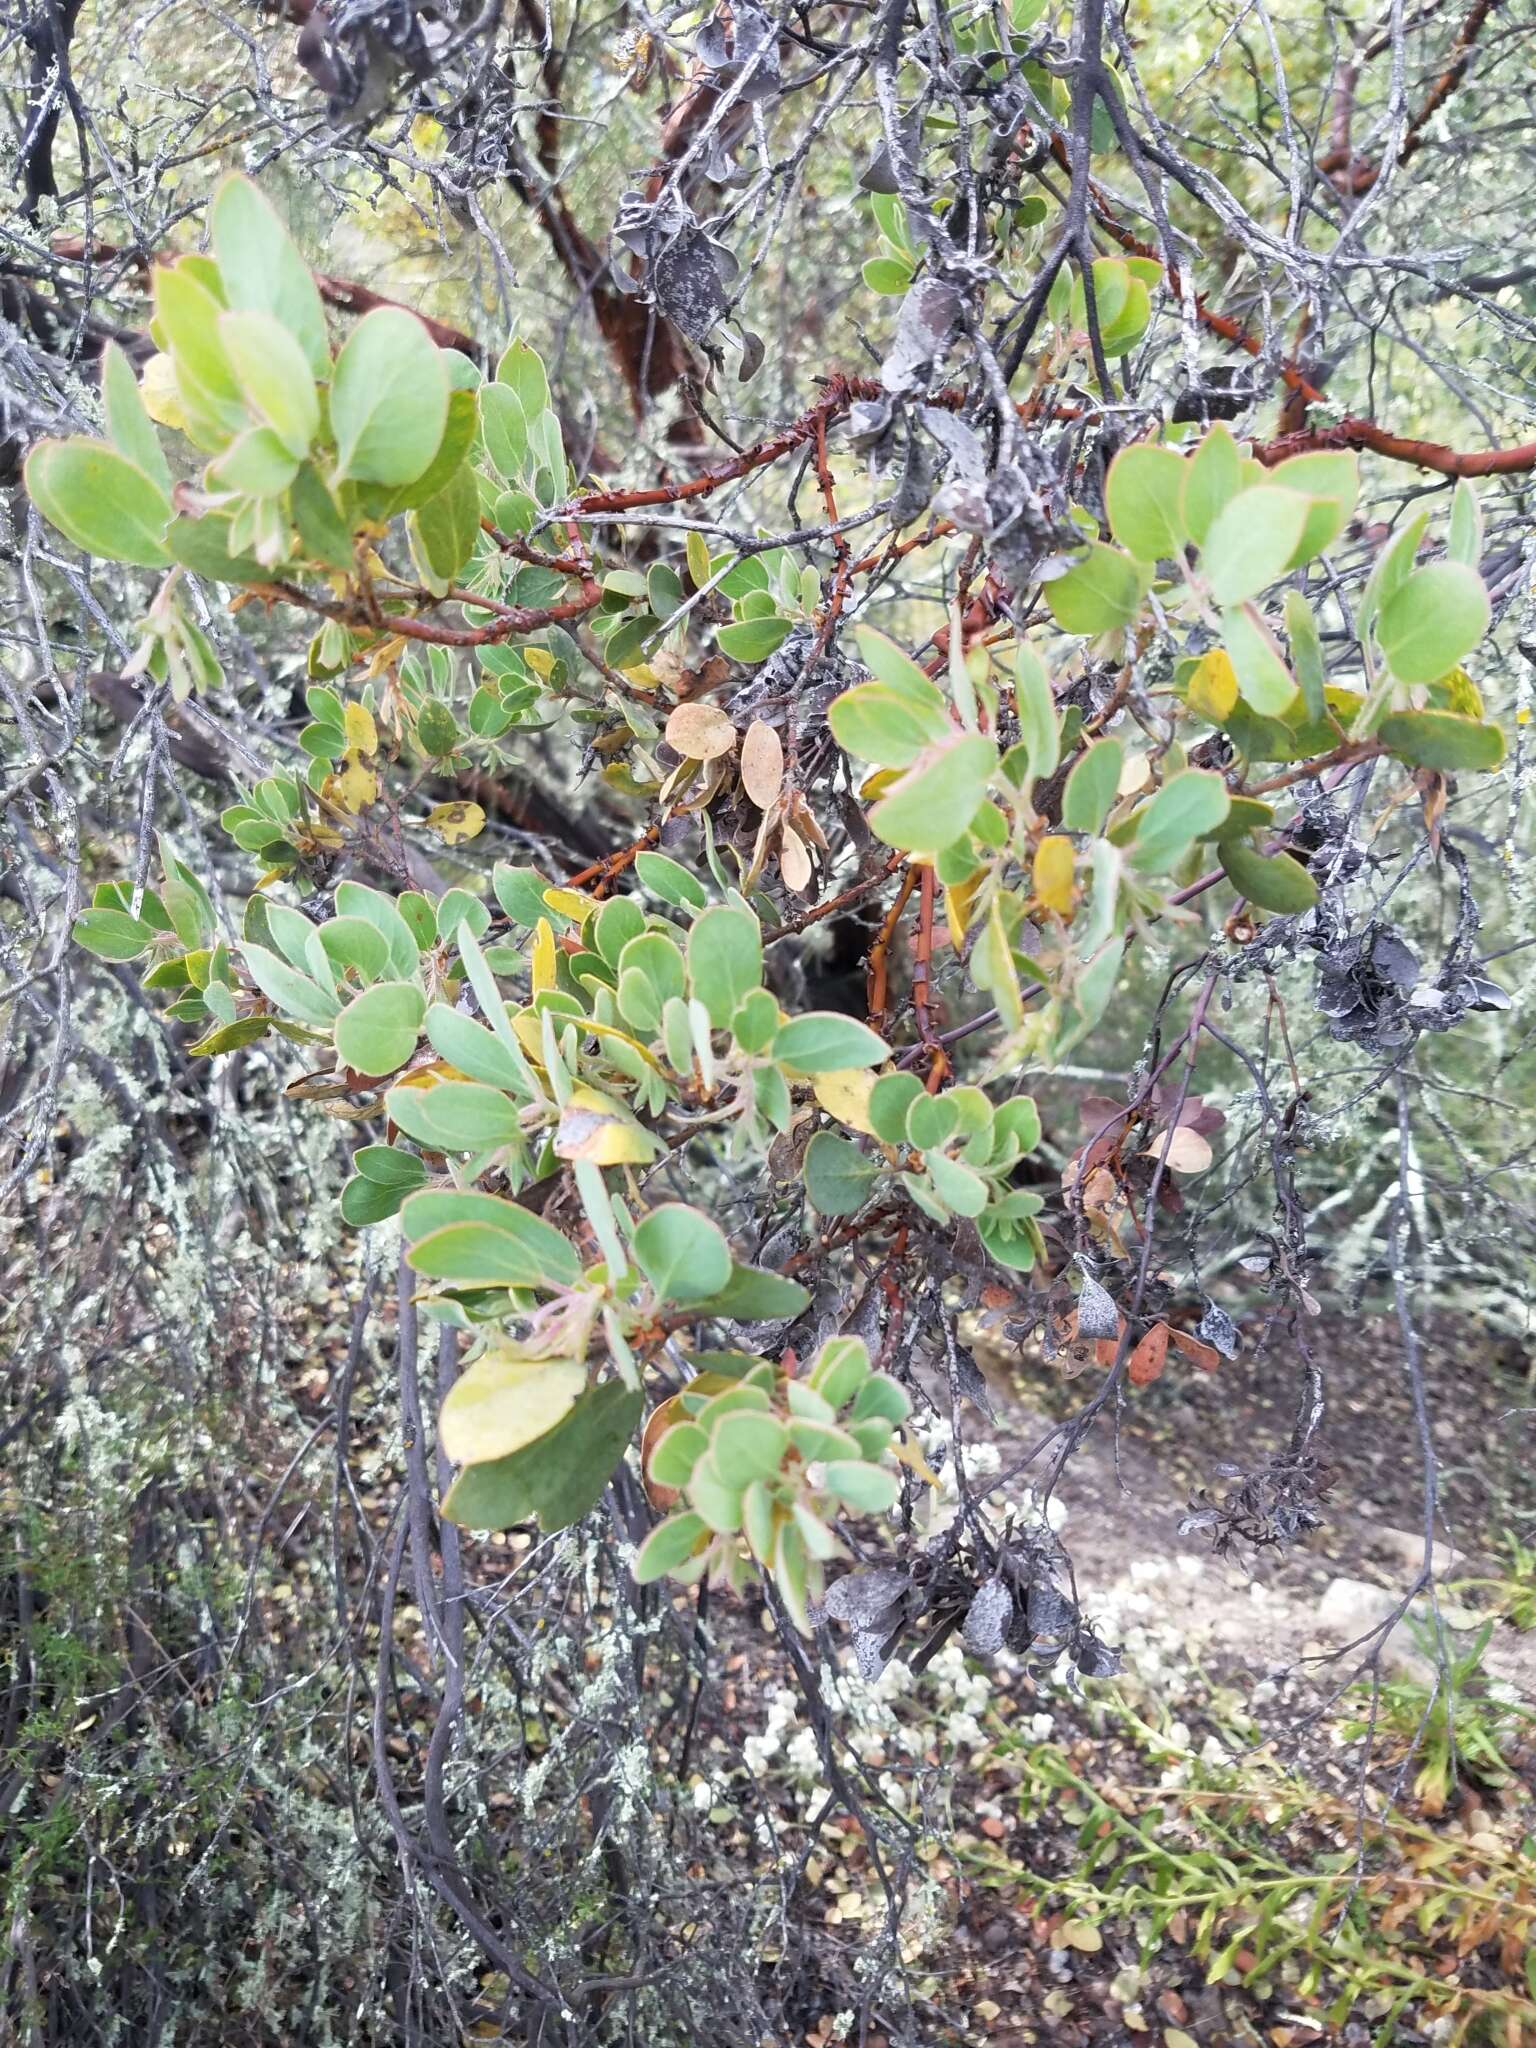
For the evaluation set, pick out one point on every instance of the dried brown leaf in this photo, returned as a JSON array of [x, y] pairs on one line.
[[700, 732], [762, 763]]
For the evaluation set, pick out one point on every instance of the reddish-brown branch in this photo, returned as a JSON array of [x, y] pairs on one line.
[[815, 913], [603, 871], [1348, 433], [1432, 455], [512, 620], [879, 953], [1354, 175], [341, 292], [839, 391]]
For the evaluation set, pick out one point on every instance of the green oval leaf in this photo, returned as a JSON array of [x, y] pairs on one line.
[[1251, 542], [1191, 803], [1443, 740], [456, 1116], [100, 501], [752, 639], [1212, 476], [533, 1253], [378, 1030], [262, 271], [825, 1041], [885, 726], [1144, 497], [745, 1446], [683, 1255], [670, 1544], [755, 1295], [389, 399], [112, 934], [937, 798], [1102, 591], [1092, 786], [725, 960], [1432, 621], [838, 1176], [274, 376], [1263, 679], [129, 427], [1273, 881]]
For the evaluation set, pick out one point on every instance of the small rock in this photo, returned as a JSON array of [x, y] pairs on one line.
[[1408, 1545], [1352, 1608]]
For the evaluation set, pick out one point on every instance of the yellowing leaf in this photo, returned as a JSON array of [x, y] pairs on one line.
[[1053, 873], [456, 821], [907, 1453], [601, 1030], [597, 1130], [352, 787], [957, 906], [844, 1093], [530, 1034], [362, 733], [541, 959], [700, 732], [161, 394], [1212, 688], [570, 903], [499, 1404], [541, 661], [1463, 695]]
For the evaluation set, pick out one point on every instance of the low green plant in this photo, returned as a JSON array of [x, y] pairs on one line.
[[1512, 1590], [1275, 1884], [1451, 1723]]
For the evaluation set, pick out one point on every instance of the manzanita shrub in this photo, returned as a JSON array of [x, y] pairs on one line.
[[537, 1060]]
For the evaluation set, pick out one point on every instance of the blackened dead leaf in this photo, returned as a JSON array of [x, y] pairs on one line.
[[1217, 1329], [987, 1618], [863, 1599], [928, 317], [1097, 1315]]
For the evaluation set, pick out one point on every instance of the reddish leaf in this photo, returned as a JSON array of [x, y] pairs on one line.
[[1149, 1357], [1205, 1356]]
